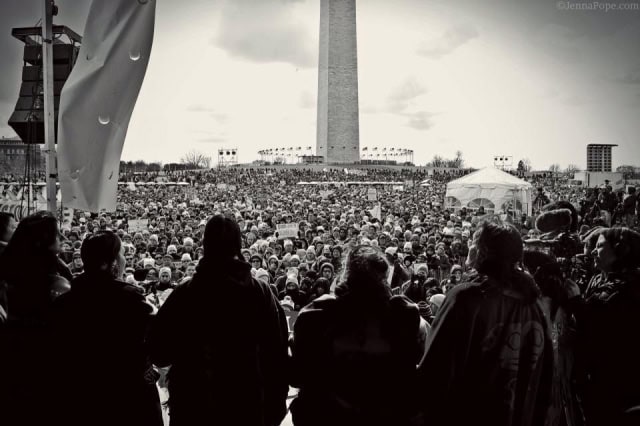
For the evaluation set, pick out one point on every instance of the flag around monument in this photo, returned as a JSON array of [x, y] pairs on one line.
[[98, 99]]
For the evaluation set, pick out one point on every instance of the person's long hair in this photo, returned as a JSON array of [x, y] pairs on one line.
[[28, 262], [364, 277], [499, 250]]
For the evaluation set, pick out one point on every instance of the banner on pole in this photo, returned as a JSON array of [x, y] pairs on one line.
[[97, 101]]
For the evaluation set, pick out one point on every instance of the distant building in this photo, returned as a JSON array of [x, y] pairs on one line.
[[599, 157], [13, 155]]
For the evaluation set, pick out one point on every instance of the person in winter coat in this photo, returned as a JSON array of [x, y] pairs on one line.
[[98, 328], [29, 272], [292, 289], [355, 355], [226, 367], [489, 356], [607, 350]]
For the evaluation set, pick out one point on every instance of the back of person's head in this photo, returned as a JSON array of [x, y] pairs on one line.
[[498, 249], [222, 239], [32, 248], [365, 273], [99, 252]]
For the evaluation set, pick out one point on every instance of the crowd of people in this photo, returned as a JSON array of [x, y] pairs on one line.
[[406, 312]]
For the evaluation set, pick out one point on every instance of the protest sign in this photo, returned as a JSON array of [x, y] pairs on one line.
[[137, 225], [287, 230], [372, 194]]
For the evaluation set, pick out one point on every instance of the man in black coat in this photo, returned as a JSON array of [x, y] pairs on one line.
[[225, 337], [100, 370]]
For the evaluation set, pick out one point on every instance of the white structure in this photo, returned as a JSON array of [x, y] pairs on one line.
[[338, 131], [491, 188]]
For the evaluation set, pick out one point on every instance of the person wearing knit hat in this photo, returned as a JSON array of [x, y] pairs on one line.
[[246, 254], [255, 261], [407, 248], [148, 263], [263, 275], [294, 261], [292, 290], [456, 274], [436, 302], [301, 253], [273, 265], [327, 271]]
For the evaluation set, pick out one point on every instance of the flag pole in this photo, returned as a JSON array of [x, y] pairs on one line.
[[51, 166]]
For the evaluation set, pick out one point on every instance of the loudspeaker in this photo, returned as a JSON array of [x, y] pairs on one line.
[[28, 115]]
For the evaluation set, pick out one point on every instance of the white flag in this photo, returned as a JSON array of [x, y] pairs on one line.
[[98, 99]]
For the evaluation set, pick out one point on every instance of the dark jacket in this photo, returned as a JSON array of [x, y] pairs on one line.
[[355, 366], [608, 352], [24, 350], [101, 370], [225, 336], [489, 357]]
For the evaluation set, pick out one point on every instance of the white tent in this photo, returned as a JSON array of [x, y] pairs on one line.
[[491, 188]]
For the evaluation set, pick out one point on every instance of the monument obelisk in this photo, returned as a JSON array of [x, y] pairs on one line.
[[338, 132]]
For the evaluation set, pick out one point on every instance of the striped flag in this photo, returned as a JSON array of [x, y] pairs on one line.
[[98, 99]]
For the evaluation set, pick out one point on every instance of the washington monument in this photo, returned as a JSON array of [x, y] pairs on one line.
[[338, 133]]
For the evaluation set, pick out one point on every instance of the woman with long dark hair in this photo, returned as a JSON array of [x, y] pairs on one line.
[[98, 331], [355, 354], [606, 314], [489, 356], [29, 273]]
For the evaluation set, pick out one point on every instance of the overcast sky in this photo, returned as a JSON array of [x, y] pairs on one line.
[[525, 79]]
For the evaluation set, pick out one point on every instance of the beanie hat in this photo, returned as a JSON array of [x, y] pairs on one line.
[[187, 241], [148, 262], [422, 266], [327, 264], [292, 278], [171, 249], [261, 273], [408, 246], [186, 257], [294, 257]]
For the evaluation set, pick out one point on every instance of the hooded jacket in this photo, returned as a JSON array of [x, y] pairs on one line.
[[226, 364]]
